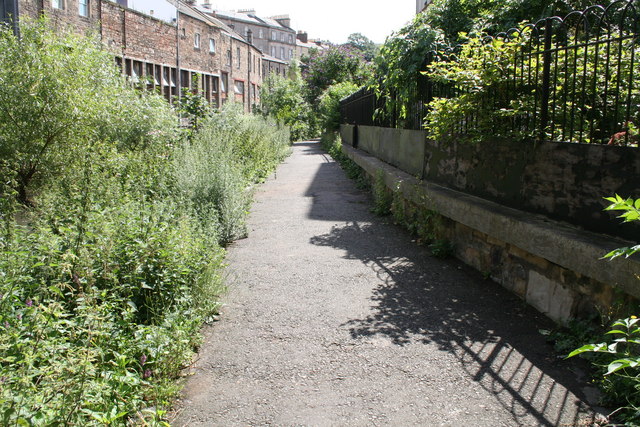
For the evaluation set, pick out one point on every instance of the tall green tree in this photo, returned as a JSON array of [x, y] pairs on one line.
[[337, 64], [362, 44]]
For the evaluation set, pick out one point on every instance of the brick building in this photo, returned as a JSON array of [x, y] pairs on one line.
[[186, 48]]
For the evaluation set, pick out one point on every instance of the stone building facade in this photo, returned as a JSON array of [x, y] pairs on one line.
[[195, 51], [273, 36]]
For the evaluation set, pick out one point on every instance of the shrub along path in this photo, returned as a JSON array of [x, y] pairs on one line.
[[335, 317]]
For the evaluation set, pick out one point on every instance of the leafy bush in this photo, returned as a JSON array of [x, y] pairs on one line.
[[213, 171], [398, 65], [330, 104], [282, 99], [58, 92], [619, 358], [110, 224], [327, 67], [479, 69]]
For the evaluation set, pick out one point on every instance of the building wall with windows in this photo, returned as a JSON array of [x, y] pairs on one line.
[[193, 52], [275, 66], [82, 15], [273, 36]]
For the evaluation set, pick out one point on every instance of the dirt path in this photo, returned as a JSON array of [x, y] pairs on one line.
[[335, 317]]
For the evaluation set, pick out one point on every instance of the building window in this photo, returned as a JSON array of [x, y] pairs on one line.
[[196, 41], [212, 46], [57, 4], [224, 82], [290, 39], [282, 37], [274, 36], [239, 87], [229, 57], [290, 53], [83, 8], [261, 34], [273, 51], [282, 53], [238, 55]]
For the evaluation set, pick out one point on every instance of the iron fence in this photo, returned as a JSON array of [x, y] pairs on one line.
[[573, 79]]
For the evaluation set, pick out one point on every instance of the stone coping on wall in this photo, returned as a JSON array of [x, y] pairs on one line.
[[562, 244]]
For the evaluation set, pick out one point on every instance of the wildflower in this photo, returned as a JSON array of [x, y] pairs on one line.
[[634, 317], [6, 324], [143, 359], [19, 316], [147, 373], [28, 302]]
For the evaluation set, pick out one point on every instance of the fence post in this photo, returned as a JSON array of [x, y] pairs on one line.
[[546, 78]]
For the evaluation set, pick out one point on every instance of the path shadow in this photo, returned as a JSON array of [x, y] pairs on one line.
[[335, 197], [493, 334]]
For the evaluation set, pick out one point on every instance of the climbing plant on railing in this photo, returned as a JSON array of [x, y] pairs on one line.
[[398, 66]]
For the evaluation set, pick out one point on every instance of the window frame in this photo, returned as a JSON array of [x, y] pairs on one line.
[[212, 45], [196, 41], [238, 87], [87, 5]]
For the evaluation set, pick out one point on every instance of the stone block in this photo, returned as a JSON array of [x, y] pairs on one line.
[[550, 297]]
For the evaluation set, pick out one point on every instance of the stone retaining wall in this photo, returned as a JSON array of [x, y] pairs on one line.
[[562, 181], [551, 265]]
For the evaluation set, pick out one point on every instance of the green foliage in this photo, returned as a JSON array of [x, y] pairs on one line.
[[111, 264], [453, 17], [620, 353], [487, 102], [574, 333], [621, 362], [479, 69], [361, 43], [282, 99], [212, 172], [399, 63], [57, 92], [330, 104], [631, 212], [194, 108], [382, 196], [442, 248], [327, 67]]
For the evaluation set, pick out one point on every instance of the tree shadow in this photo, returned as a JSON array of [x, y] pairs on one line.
[[492, 333]]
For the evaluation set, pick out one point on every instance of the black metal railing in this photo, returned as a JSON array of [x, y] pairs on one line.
[[574, 79]]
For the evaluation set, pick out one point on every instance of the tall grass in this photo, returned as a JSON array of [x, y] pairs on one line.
[[110, 254]]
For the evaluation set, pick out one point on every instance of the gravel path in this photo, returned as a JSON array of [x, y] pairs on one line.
[[334, 317]]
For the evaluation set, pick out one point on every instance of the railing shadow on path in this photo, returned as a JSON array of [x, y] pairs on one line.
[[492, 334]]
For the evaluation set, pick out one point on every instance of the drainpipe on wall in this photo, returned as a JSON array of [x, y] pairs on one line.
[[249, 55], [13, 13], [178, 73], [100, 27]]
